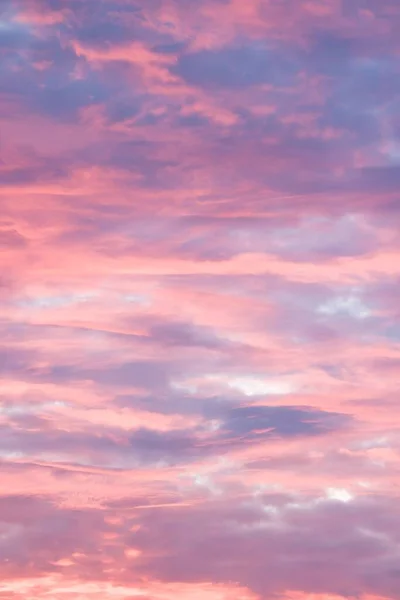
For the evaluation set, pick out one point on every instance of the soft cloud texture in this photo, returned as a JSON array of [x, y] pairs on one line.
[[199, 291]]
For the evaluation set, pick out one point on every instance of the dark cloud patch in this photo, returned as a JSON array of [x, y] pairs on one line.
[[185, 334], [171, 48], [283, 421], [192, 120], [122, 110], [237, 67], [361, 95], [174, 403], [133, 157], [333, 548], [15, 361], [13, 37], [373, 82], [10, 238], [331, 54], [106, 24], [29, 434], [104, 33], [66, 100], [381, 179], [36, 170], [237, 425], [269, 543], [167, 447], [35, 436], [36, 533], [22, 364], [53, 91], [147, 374]]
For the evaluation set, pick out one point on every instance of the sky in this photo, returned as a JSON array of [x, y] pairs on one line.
[[199, 299]]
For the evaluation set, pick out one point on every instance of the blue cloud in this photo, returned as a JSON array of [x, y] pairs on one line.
[[235, 67]]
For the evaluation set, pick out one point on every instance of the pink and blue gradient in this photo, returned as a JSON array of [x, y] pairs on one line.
[[200, 291]]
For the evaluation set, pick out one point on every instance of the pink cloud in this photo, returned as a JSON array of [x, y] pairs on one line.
[[199, 286]]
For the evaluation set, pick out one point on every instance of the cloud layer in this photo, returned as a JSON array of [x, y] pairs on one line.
[[200, 273]]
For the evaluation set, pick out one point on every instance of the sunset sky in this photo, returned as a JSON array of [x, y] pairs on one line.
[[200, 299]]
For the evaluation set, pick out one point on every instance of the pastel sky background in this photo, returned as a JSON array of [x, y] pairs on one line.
[[200, 299]]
